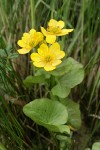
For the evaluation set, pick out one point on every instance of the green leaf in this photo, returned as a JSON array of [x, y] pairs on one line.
[[58, 128], [96, 146], [42, 72], [64, 129], [60, 91], [74, 116], [30, 80], [2, 147], [13, 55], [72, 78], [71, 74], [50, 114], [64, 67]]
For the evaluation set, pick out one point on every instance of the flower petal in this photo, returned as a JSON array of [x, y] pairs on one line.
[[25, 34], [49, 67], [60, 24], [21, 43], [50, 39], [32, 31], [35, 57], [52, 23], [39, 64], [56, 62], [23, 51], [43, 49], [44, 31], [64, 32], [54, 47], [39, 36], [60, 54]]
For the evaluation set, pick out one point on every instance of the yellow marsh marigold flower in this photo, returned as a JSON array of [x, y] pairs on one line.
[[54, 29], [29, 40], [48, 57]]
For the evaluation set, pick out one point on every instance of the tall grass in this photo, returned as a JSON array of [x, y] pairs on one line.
[[83, 44]]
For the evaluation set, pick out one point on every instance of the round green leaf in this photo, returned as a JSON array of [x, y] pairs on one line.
[[73, 75], [42, 72], [72, 78], [48, 113], [96, 146], [67, 66], [31, 80], [70, 73], [60, 91], [74, 115]]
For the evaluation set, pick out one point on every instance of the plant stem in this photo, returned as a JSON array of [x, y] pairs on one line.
[[82, 29], [32, 13]]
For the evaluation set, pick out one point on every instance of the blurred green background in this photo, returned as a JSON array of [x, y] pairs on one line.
[[19, 16]]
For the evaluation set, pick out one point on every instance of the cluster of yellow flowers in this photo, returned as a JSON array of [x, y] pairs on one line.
[[48, 54]]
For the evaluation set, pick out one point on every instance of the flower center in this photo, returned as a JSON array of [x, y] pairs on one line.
[[31, 43], [48, 58], [54, 29]]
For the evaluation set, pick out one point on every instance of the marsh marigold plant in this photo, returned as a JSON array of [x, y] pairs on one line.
[[51, 82]]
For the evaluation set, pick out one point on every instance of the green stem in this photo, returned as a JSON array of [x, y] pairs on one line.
[[32, 5], [52, 8], [82, 28], [32, 13]]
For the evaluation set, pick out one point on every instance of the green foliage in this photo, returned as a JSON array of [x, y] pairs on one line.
[[72, 74], [65, 142], [74, 116], [50, 114], [2, 147], [96, 146], [64, 67], [31, 80], [10, 87], [8, 74], [60, 90], [10, 125]]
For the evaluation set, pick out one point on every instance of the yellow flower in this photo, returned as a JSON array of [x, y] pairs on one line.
[[48, 57], [29, 40], [54, 29]]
